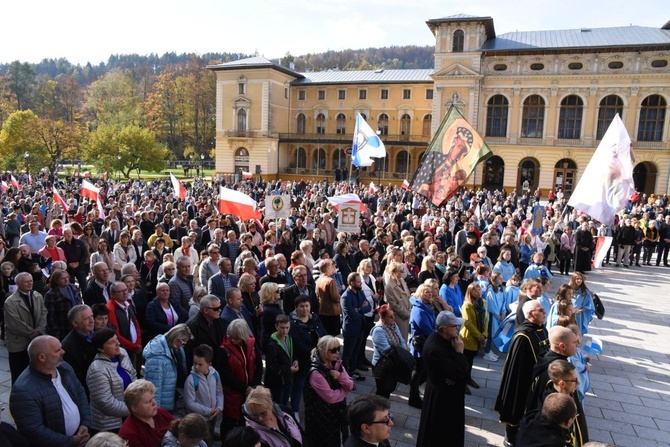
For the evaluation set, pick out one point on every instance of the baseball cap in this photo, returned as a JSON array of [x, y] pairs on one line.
[[446, 318]]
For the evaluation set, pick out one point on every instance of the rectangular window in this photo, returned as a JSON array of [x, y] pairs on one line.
[[241, 88], [429, 93], [321, 95], [301, 95], [406, 94], [385, 94], [341, 94], [362, 94], [285, 93]]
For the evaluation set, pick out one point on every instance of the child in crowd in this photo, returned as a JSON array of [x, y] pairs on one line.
[[280, 363], [203, 393]]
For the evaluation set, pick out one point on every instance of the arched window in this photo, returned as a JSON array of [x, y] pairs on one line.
[[496, 116], [609, 107], [570, 119], [339, 159], [319, 158], [242, 119], [341, 124], [320, 123], [532, 121], [405, 125], [402, 162], [494, 173], [565, 172], [458, 40], [652, 117], [301, 162], [300, 128], [383, 124], [427, 124]]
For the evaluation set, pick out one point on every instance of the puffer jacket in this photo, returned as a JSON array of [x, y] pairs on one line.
[[162, 369], [37, 408], [106, 389], [238, 369], [271, 436]]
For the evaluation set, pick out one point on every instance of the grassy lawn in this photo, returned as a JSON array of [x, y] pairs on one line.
[[178, 172]]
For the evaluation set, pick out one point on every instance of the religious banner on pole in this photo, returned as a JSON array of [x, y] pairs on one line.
[[538, 215], [348, 217], [277, 207]]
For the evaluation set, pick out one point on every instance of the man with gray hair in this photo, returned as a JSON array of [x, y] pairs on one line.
[[78, 346], [206, 326], [181, 284], [48, 403], [529, 343], [25, 319]]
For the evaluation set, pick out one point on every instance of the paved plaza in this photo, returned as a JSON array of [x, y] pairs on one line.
[[629, 401]]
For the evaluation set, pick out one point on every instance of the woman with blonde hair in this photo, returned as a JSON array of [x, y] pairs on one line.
[[474, 331], [124, 253], [275, 426], [270, 296], [306, 246], [428, 269], [147, 423], [396, 294]]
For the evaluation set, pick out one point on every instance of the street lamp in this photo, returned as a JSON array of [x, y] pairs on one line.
[[26, 155], [202, 165], [118, 175]]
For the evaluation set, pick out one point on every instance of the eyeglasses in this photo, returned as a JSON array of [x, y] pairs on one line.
[[387, 421], [213, 252], [572, 381], [334, 350], [541, 309], [215, 309], [120, 291], [261, 415]]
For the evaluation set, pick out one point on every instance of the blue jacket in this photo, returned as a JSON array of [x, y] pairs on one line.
[[453, 297], [380, 341], [161, 369], [353, 312], [156, 321], [228, 315], [37, 410], [421, 321]]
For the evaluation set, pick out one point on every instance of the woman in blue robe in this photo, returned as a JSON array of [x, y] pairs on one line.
[[564, 294], [496, 307], [583, 302]]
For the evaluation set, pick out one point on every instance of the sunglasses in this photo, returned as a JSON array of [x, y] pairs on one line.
[[335, 350], [216, 309]]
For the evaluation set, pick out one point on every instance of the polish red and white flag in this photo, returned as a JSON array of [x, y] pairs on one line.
[[178, 187], [59, 199], [405, 184], [15, 183], [89, 190], [247, 175], [238, 204], [372, 188]]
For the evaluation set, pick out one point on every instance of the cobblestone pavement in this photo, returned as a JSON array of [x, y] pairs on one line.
[[629, 400]]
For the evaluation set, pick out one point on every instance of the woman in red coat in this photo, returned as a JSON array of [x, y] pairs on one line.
[[240, 368]]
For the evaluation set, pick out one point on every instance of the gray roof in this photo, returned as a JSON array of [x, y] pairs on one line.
[[365, 76], [253, 62], [623, 36], [459, 17]]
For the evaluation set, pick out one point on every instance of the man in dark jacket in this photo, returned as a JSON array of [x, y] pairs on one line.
[[299, 287], [76, 255], [206, 327], [354, 306], [528, 344], [370, 422], [48, 403], [550, 426], [79, 350]]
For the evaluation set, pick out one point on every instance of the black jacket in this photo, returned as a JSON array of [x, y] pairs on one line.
[[538, 431]]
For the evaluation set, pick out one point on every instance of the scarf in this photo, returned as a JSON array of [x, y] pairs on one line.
[[481, 313], [392, 335]]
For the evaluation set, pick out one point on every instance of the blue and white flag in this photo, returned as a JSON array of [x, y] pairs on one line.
[[366, 145], [593, 346]]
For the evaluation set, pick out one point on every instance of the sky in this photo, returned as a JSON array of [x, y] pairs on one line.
[[85, 31]]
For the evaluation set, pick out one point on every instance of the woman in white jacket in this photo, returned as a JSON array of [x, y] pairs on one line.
[[107, 378]]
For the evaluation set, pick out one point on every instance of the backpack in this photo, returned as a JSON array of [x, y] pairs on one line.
[[196, 379]]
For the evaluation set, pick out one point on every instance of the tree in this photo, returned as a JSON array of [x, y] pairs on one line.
[[125, 150], [46, 141], [112, 100], [21, 82]]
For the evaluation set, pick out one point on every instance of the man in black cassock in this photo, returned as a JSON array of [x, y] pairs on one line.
[[443, 411], [563, 344], [583, 248], [530, 341]]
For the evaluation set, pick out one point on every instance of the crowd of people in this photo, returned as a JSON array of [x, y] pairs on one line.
[[164, 322]]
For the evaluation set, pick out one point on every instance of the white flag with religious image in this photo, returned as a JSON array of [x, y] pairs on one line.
[[607, 183]]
